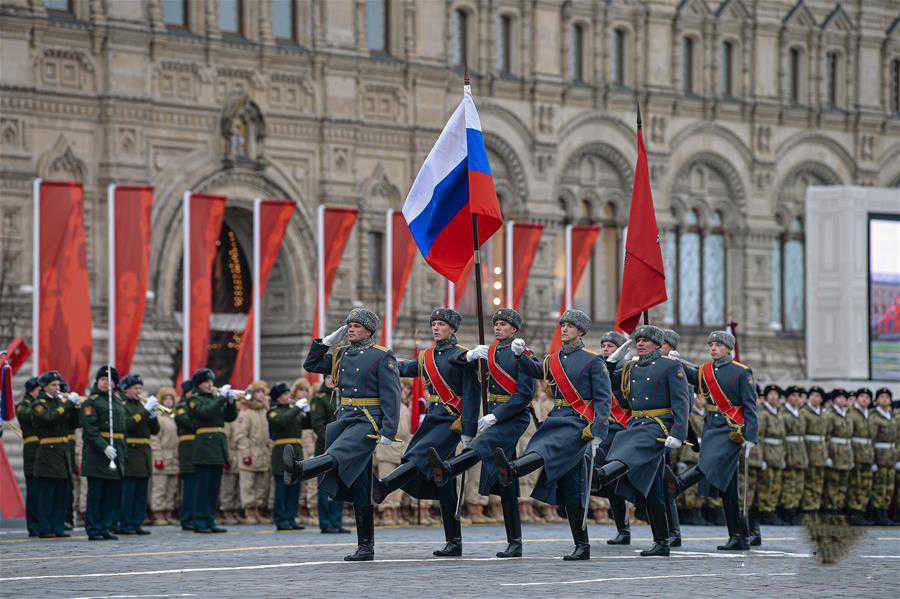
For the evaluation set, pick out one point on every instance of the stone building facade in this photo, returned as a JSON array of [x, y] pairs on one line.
[[745, 104]]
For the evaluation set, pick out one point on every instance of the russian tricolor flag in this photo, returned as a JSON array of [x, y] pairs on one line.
[[454, 184]]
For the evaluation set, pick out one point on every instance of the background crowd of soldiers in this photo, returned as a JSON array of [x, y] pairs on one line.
[[819, 451]]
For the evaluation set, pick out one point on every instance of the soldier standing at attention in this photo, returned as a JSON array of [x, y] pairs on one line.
[[861, 476], [229, 491], [884, 435], [453, 406], [287, 419], [52, 418], [655, 390], [164, 452], [730, 428], [142, 423], [566, 440], [186, 436], [367, 384], [321, 414], [771, 433], [210, 412], [814, 436], [839, 434], [795, 459], [29, 450], [510, 392], [254, 453]]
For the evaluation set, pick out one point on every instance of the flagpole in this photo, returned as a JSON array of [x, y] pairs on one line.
[[111, 266], [186, 290], [451, 295], [257, 308], [510, 231], [36, 279], [567, 295], [320, 233], [388, 278]]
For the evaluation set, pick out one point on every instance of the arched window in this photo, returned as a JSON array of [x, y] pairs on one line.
[[687, 65], [689, 269], [459, 33], [832, 79], [714, 271], [895, 86], [504, 44], [576, 54], [378, 25], [728, 69], [619, 58], [795, 80]]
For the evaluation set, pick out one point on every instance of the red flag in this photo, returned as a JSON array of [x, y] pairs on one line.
[[416, 395], [17, 353], [64, 334], [644, 278], [403, 253], [11, 504], [7, 408], [274, 217], [459, 288], [132, 208], [582, 247], [525, 243]]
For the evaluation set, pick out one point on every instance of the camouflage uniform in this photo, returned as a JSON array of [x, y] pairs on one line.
[[884, 428], [772, 433], [839, 431], [796, 461], [816, 450], [860, 487]]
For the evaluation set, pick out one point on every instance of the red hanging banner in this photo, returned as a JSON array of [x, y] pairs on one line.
[[525, 243], [459, 288], [11, 504], [133, 206], [403, 254], [206, 216], [64, 315], [416, 399], [583, 239], [274, 216]]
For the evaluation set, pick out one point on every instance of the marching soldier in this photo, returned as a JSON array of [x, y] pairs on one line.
[[654, 388], [564, 445], [141, 424], [368, 385], [210, 411], [186, 436], [287, 419], [730, 427], [254, 453], [104, 454], [816, 450], [686, 458], [388, 458], [884, 435], [453, 405], [796, 461], [839, 434], [772, 463], [164, 453], [321, 414], [29, 450], [52, 418], [669, 348], [860, 485], [510, 392]]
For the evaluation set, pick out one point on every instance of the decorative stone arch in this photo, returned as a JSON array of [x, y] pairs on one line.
[[584, 184], [733, 211], [843, 163], [244, 131], [717, 131], [595, 118], [514, 173], [378, 192], [790, 202], [889, 167], [60, 163]]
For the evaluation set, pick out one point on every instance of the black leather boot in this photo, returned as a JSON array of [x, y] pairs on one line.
[[680, 483], [365, 535], [395, 479], [513, 523], [672, 521], [754, 535], [509, 471], [610, 472], [582, 550], [881, 518], [737, 541], [297, 469], [444, 471], [656, 514], [619, 512], [452, 527]]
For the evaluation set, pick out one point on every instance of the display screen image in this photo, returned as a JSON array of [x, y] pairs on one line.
[[884, 297]]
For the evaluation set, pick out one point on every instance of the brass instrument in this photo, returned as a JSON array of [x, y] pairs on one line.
[[144, 399], [228, 393]]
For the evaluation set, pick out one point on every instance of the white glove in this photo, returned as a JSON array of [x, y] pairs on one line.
[[748, 445], [466, 440], [384, 441], [334, 337], [874, 467], [829, 462], [110, 452], [896, 465], [595, 443], [302, 403], [486, 422], [151, 405], [517, 346], [225, 391], [673, 443], [479, 352], [73, 397], [763, 466], [674, 354]]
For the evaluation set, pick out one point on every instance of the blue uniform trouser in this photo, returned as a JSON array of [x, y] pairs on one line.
[[31, 506], [104, 498], [51, 505], [134, 503], [330, 511], [287, 498], [188, 499], [208, 484]]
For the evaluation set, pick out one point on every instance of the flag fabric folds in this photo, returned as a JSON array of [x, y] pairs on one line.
[[17, 353], [454, 183]]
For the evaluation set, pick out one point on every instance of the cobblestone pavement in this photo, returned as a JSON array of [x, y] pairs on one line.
[[254, 561]]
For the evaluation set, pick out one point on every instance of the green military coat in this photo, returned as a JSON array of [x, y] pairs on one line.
[[814, 435], [884, 436], [286, 424], [772, 437], [839, 431], [184, 424], [863, 450], [29, 435], [321, 414], [139, 427], [794, 445], [53, 419], [95, 425], [210, 413]]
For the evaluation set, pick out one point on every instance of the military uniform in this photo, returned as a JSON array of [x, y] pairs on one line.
[[771, 451], [796, 462], [387, 459], [29, 450], [839, 434], [285, 426], [321, 414], [859, 488], [229, 491], [104, 498], [186, 429], [141, 424], [686, 457], [164, 484], [254, 451], [884, 441], [817, 451]]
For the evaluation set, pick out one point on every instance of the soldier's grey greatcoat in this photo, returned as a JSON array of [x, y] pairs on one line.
[[435, 429], [361, 371], [560, 440], [654, 382]]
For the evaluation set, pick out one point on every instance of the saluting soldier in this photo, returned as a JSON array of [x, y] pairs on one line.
[[287, 419], [654, 388], [510, 392], [796, 461], [367, 384], [566, 440], [771, 450], [104, 456], [731, 426], [254, 451], [839, 435], [884, 437], [142, 424], [29, 450], [164, 451], [210, 411], [816, 450], [53, 416], [860, 485], [186, 428], [453, 405]]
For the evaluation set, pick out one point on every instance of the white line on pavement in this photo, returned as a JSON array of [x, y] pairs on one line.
[[660, 577], [882, 556], [133, 596]]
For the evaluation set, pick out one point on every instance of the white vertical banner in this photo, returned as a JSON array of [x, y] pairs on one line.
[[36, 279], [567, 293], [508, 262], [257, 308], [320, 235], [388, 278], [111, 267], [186, 290]]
